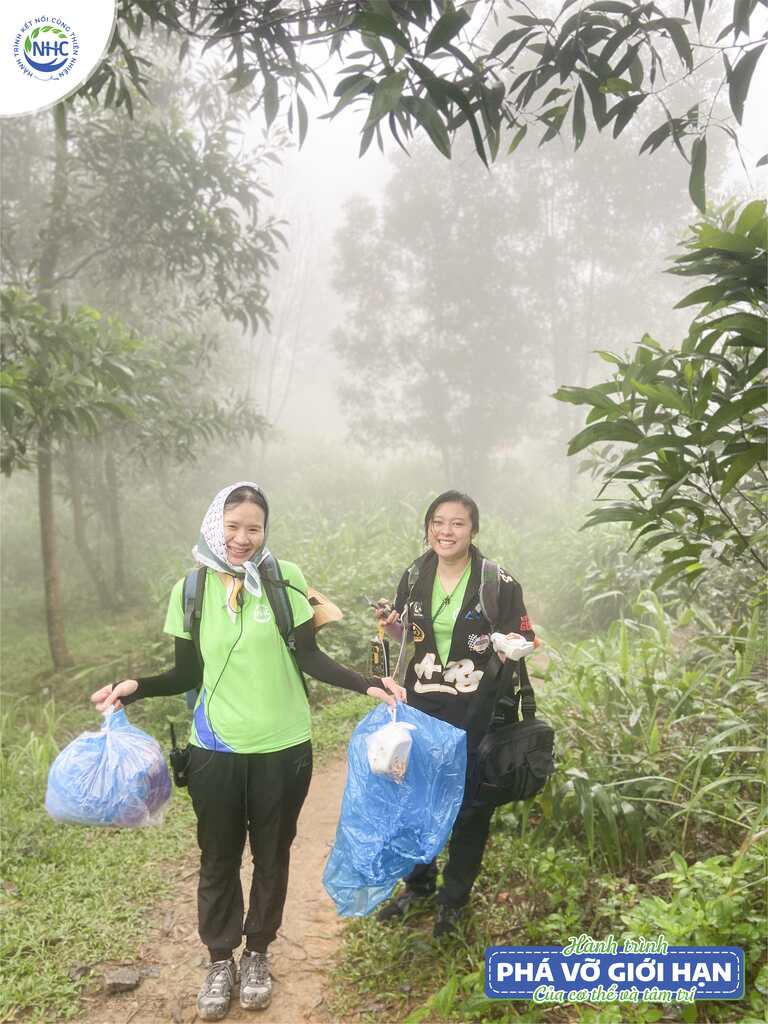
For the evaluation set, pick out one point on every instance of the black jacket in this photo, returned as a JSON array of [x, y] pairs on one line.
[[463, 691]]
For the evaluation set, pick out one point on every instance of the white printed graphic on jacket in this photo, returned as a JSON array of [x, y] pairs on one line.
[[463, 674]]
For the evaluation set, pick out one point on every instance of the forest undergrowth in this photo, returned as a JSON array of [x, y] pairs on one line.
[[654, 822]]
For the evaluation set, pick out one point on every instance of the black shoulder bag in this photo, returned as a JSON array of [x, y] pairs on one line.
[[515, 759]]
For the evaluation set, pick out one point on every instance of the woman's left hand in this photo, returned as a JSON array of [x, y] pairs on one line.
[[389, 691]]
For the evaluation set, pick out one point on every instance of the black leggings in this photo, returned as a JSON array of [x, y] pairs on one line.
[[234, 796]]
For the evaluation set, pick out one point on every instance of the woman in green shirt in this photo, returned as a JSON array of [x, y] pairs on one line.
[[451, 676], [250, 748]]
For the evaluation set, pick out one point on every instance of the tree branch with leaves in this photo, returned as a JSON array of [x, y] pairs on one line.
[[692, 419]]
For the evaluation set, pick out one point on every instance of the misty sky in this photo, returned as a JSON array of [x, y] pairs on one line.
[[311, 188]]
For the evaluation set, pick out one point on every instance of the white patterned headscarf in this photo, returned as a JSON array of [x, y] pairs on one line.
[[211, 550]]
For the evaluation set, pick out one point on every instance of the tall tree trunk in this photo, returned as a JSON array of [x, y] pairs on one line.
[[113, 504], [45, 293], [53, 614], [89, 557]]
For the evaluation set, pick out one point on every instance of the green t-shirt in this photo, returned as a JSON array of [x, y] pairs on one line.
[[252, 699], [444, 614]]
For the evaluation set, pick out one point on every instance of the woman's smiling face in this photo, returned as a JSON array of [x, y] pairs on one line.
[[243, 531], [450, 530]]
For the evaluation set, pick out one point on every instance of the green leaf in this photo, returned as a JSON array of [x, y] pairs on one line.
[[380, 26], [609, 357], [680, 42], [618, 430], [517, 139], [731, 412], [616, 85], [244, 79], [709, 293], [611, 7], [745, 323], [625, 111], [654, 740], [739, 77], [428, 117], [616, 514], [445, 28], [360, 84], [386, 96], [696, 182], [596, 98], [750, 217], [507, 39], [271, 98], [711, 237], [741, 465], [366, 138], [665, 395], [303, 120], [586, 396], [579, 120], [671, 572]]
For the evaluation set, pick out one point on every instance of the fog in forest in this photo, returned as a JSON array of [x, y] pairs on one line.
[[411, 319], [190, 298]]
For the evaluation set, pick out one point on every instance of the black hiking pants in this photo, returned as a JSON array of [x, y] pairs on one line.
[[465, 854], [235, 796]]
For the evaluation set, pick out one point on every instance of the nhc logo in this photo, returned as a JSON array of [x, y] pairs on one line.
[[49, 49], [46, 48]]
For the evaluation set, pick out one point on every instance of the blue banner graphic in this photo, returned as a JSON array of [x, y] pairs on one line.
[[639, 971]]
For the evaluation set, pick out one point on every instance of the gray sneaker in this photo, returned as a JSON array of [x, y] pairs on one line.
[[255, 981], [214, 997]]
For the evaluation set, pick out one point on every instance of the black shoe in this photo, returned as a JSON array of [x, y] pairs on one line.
[[400, 905], [447, 920]]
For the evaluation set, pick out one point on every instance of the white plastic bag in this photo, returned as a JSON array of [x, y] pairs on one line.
[[389, 749], [514, 647]]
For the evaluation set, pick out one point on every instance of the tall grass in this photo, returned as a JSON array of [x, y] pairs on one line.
[[656, 813], [655, 821]]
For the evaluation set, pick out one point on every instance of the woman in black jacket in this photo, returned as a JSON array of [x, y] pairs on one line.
[[454, 675]]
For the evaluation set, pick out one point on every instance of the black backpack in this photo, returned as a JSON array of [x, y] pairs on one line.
[[276, 589], [515, 759]]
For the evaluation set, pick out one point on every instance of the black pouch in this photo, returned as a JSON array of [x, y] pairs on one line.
[[515, 759], [514, 762], [179, 758]]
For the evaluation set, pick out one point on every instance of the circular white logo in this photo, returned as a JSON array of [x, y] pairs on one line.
[[47, 53], [262, 614]]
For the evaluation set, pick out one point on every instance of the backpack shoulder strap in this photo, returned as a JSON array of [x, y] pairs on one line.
[[490, 585], [276, 587], [277, 595], [192, 598], [414, 570], [192, 604]]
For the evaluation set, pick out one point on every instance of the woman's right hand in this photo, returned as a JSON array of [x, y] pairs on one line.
[[109, 696], [384, 612]]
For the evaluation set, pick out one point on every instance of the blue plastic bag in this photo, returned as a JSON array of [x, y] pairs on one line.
[[115, 777], [387, 827]]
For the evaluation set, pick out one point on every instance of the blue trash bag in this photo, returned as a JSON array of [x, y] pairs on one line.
[[386, 827], [115, 777]]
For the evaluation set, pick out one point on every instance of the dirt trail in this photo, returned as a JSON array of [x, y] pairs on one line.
[[173, 960]]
